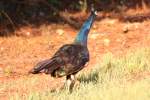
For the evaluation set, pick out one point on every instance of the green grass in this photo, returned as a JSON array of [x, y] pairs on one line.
[[108, 80]]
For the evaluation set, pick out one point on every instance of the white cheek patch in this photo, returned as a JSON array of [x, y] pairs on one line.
[[95, 13]]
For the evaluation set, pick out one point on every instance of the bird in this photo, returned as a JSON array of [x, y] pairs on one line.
[[71, 58]]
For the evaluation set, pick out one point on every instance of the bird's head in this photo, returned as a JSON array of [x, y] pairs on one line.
[[93, 11]]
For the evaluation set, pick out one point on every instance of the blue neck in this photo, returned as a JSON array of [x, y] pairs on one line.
[[83, 34]]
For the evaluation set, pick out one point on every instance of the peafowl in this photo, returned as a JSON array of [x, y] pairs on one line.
[[70, 58]]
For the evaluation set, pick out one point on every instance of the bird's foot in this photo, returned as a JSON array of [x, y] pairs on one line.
[[70, 82]]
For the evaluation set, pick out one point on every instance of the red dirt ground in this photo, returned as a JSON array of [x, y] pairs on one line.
[[19, 54]]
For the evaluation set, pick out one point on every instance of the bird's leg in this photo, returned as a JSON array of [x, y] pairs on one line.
[[73, 82], [70, 81], [69, 84]]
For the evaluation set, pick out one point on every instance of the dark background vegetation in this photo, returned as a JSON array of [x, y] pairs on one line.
[[17, 13]]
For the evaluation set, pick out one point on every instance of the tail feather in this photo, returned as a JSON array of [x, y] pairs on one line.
[[46, 64]]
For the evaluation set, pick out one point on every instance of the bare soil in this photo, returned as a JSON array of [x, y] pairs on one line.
[[19, 54]]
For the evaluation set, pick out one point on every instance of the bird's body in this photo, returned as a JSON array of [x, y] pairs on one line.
[[70, 58]]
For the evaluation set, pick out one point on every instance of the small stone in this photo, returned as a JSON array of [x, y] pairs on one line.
[[60, 31], [125, 29], [106, 42], [94, 36], [28, 33], [111, 22]]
